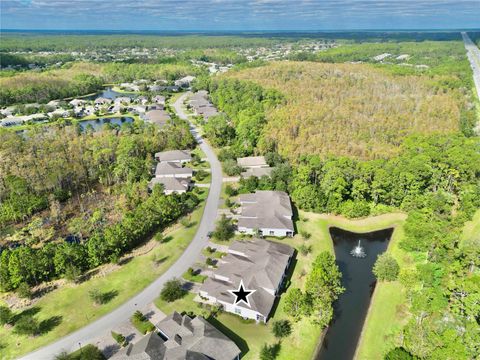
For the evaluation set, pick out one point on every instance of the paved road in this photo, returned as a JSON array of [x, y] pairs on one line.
[[473, 54], [106, 323]]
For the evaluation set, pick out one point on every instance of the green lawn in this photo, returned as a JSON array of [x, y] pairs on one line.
[[302, 343], [143, 326], [73, 304], [197, 278]]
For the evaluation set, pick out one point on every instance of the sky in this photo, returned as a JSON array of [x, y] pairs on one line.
[[218, 15]]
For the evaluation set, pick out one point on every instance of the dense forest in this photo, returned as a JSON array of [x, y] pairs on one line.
[[92, 185], [349, 109]]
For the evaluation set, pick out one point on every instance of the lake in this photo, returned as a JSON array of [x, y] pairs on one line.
[[351, 308], [110, 94], [98, 123]]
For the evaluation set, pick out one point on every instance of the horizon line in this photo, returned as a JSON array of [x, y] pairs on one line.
[[253, 30]]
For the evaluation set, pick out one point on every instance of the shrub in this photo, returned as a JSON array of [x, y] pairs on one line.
[[281, 328], [230, 190], [185, 222], [138, 315], [231, 168], [305, 249], [119, 338], [96, 296], [306, 235], [269, 352], [159, 237], [210, 249], [201, 174], [172, 290], [27, 325], [224, 230], [210, 262], [399, 354], [6, 315], [386, 268], [24, 291]]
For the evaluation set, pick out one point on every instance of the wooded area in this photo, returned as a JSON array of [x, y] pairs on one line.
[[55, 167], [347, 109]]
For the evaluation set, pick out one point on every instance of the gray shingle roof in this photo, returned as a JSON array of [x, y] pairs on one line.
[[257, 172], [252, 161], [259, 263], [149, 347], [173, 156], [266, 209], [171, 183], [168, 168]]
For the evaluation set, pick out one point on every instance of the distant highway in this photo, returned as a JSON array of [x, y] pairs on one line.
[[122, 313], [473, 54]]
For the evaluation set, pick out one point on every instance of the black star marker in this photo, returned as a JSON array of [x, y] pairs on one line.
[[242, 294]]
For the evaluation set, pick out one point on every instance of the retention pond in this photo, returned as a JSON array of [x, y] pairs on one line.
[[358, 280]]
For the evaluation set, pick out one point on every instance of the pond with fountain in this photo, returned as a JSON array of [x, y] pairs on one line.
[[355, 255]]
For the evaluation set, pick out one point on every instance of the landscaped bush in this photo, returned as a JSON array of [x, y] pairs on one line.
[[141, 323], [281, 328], [119, 338], [224, 230], [6, 315], [386, 268], [172, 290]]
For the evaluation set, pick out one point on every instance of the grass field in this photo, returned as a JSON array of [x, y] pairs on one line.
[[72, 301], [302, 343]]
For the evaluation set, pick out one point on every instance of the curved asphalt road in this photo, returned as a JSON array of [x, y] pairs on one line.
[[141, 300]]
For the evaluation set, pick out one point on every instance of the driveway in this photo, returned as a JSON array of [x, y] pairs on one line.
[[114, 319]]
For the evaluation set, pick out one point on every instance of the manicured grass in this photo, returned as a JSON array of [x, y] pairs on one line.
[[387, 313], [215, 254], [143, 327], [197, 278], [72, 301], [302, 343]]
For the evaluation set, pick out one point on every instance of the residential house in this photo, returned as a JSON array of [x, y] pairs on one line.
[[159, 99], [174, 156], [265, 213], [202, 106], [261, 265], [185, 81], [171, 169], [122, 100], [257, 172], [77, 102], [158, 117], [171, 184], [101, 101], [252, 162], [181, 337]]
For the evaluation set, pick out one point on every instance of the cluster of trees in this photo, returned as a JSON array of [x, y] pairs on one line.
[[322, 288], [29, 265], [46, 168], [348, 109], [118, 72], [435, 179], [30, 87], [64, 161], [62, 43], [81, 78], [7, 59], [244, 104]]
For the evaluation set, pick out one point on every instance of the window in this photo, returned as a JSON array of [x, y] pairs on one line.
[[272, 232], [238, 311]]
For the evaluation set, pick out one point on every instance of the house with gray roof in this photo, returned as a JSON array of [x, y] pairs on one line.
[[267, 213], [171, 169], [261, 265], [181, 337], [174, 156], [257, 172], [171, 184], [251, 162], [157, 116]]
